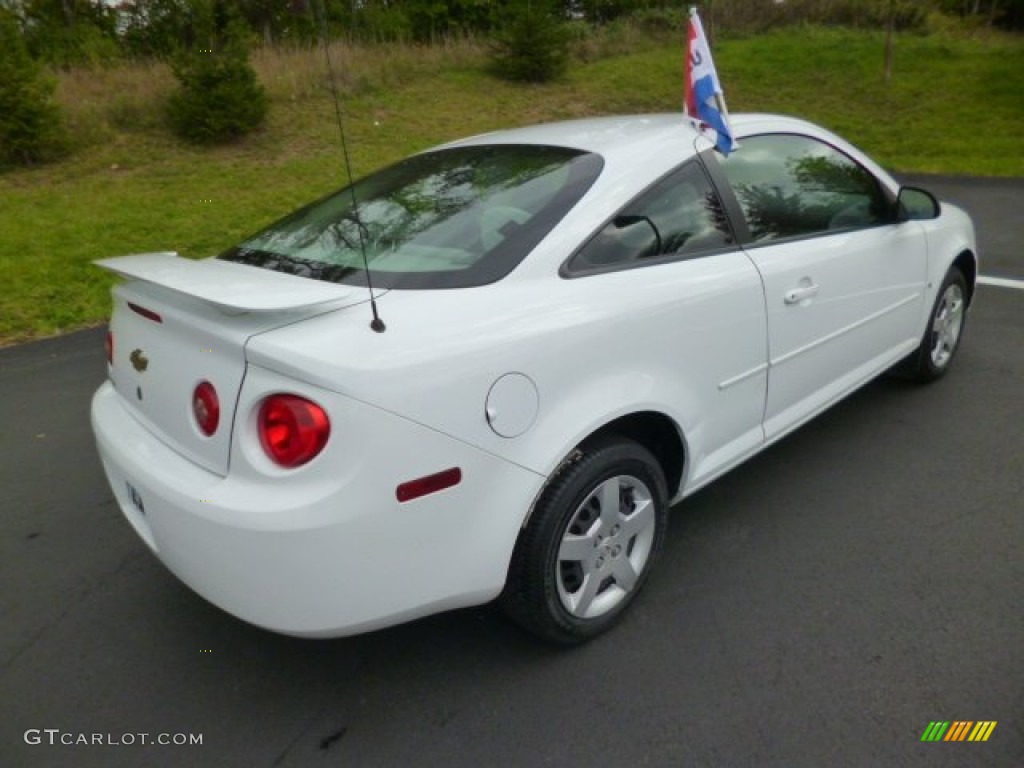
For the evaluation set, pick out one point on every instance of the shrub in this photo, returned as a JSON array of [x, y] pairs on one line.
[[532, 46], [220, 98], [31, 126], [68, 34]]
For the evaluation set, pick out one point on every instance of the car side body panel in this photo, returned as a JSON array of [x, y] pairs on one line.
[[833, 300], [948, 236], [590, 361]]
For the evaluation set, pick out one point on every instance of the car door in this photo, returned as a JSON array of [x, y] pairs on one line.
[[698, 331], [843, 279]]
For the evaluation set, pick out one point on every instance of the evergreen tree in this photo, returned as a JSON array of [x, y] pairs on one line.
[[220, 98], [533, 44], [31, 127], [67, 33]]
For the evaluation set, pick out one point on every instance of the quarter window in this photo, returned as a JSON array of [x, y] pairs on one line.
[[680, 216], [794, 186]]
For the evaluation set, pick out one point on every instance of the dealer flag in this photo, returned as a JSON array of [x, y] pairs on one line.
[[704, 99]]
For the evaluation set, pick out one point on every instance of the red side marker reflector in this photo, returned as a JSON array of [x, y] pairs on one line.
[[429, 484], [149, 314]]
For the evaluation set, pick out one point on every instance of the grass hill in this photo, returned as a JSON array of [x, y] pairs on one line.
[[954, 105]]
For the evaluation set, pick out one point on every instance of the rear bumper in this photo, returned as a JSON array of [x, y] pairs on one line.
[[325, 550]]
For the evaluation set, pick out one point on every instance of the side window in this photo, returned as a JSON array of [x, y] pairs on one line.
[[679, 216], [791, 186]]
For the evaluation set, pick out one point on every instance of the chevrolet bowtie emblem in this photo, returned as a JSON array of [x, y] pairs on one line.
[[139, 360]]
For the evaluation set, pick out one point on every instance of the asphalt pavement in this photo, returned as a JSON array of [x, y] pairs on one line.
[[818, 606]]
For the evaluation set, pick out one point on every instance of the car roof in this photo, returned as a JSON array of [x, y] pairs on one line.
[[610, 135], [603, 135], [629, 143]]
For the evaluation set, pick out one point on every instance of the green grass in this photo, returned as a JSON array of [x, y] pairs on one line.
[[953, 106]]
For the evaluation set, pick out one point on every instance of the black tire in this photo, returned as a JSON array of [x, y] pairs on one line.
[[942, 335], [568, 601]]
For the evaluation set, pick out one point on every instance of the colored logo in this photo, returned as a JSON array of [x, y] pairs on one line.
[[958, 730]]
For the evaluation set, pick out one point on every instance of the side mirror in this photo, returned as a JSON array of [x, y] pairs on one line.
[[915, 204]]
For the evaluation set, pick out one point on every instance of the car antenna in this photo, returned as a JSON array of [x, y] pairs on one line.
[[376, 324]]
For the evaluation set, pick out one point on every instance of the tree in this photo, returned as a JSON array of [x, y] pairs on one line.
[[31, 127], [532, 46], [220, 98], [1004, 13], [155, 27], [65, 33], [890, 24]]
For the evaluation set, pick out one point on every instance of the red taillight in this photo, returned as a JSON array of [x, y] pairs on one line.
[[108, 345], [206, 407], [292, 429], [421, 486]]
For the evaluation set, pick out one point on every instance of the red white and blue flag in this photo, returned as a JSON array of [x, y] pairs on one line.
[[704, 99]]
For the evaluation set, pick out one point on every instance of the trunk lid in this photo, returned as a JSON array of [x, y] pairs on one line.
[[177, 322]]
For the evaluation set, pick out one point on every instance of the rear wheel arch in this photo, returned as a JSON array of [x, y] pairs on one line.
[[654, 430]]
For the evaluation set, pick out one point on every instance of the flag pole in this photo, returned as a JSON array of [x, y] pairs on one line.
[[687, 83], [705, 101], [720, 101]]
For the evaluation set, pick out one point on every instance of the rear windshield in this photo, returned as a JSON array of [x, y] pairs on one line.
[[452, 218]]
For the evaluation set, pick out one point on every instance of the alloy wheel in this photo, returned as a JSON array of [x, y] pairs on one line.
[[605, 547], [946, 325]]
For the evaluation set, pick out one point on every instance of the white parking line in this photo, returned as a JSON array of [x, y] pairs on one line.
[[1002, 282]]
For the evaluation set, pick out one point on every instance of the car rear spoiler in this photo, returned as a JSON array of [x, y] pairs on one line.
[[231, 287]]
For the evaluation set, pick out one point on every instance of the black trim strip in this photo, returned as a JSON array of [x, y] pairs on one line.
[[709, 160]]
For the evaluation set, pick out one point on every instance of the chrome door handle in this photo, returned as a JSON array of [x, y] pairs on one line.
[[797, 295]]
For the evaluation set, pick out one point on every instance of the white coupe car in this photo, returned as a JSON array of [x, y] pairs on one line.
[[579, 325]]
